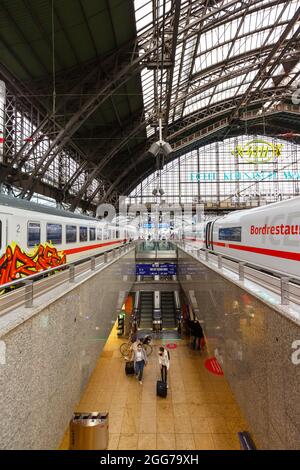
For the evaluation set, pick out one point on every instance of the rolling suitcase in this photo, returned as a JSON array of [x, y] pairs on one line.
[[129, 368], [161, 389]]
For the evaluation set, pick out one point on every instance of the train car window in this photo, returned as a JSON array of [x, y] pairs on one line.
[[83, 234], [92, 233], [233, 234], [71, 233], [105, 234], [117, 234], [54, 233], [99, 233], [33, 233], [109, 234]]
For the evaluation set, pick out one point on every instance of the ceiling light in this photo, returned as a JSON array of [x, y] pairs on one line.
[[166, 147], [154, 149]]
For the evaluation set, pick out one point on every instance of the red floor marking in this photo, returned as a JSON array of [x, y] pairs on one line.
[[171, 345], [213, 366]]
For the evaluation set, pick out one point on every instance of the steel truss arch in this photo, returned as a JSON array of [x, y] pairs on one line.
[[189, 92]]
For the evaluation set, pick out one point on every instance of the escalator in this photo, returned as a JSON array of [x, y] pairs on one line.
[[146, 310], [168, 310]]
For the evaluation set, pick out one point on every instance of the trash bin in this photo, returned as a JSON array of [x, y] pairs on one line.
[[89, 431]]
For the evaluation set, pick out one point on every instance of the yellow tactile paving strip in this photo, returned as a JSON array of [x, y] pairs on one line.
[[199, 412]]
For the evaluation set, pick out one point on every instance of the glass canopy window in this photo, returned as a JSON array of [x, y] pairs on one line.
[[21, 128], [238, 170], [220, 51]]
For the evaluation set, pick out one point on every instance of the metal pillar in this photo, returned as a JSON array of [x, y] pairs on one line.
[[72, 273], [284, 290], [28, 294]]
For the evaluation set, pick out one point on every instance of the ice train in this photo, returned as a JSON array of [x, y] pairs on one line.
[[267, 236], [34, 237]]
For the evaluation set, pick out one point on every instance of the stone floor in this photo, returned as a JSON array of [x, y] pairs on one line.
[[200, 411]]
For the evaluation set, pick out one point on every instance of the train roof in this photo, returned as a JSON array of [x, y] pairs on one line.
[[283, 205], [22, 204]]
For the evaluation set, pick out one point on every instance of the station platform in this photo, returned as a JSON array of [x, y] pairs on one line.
[[199, 413]]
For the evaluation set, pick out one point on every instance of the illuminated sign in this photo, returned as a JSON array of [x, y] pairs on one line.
[[165, 269], [160, 225], [258, 151], [245, 176]]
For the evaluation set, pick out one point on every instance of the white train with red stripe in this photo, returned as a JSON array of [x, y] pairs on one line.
[[35, 237], [267, 236]]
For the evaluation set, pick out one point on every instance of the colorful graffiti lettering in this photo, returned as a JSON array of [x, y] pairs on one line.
[[15, 263]]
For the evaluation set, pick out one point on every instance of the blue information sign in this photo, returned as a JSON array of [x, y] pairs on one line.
[[166, 269], [161, 225]]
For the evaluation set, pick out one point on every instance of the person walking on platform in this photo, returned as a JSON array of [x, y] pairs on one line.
[[134, 344], [140, 361], [164, 362], [192, 326], [198, 335]]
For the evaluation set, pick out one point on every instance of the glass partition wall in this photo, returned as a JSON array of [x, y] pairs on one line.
[[237, 170]]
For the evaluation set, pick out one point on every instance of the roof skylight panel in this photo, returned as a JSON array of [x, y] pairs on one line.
[[247, 25], [286, 80], [279, 70], [150, 131], [224, 95], [243, 88], [295, 70], [233, 82], [240, 46], [196, 102], [206, 42], [143, 14], [290, 10], [268, 84], [200, 103]]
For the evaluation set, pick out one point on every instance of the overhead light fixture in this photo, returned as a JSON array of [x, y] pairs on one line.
[[154, 192], [161, 191], [160, 145], [167, 149], [154, 149]]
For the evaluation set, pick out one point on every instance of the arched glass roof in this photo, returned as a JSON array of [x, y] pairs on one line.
[[86, 86], [221, 50]]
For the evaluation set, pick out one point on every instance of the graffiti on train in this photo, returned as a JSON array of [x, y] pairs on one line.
[[15, 263]]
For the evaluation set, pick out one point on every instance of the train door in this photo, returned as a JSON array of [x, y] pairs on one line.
[[3, 232], [209, 235]]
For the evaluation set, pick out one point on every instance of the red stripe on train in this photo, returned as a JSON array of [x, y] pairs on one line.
[[262, 251], [90, 247]]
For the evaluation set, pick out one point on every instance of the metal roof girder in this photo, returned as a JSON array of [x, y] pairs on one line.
[[219, 108], [103, 162], [79, 118], [271, 55]]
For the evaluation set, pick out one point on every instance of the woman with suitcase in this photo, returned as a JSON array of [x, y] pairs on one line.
[[164, 362]]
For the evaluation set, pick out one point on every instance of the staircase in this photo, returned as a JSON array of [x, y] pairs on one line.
[[168, 310], [146, 310]]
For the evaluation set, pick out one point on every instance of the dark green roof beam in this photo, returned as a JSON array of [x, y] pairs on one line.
[[21, 33]]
